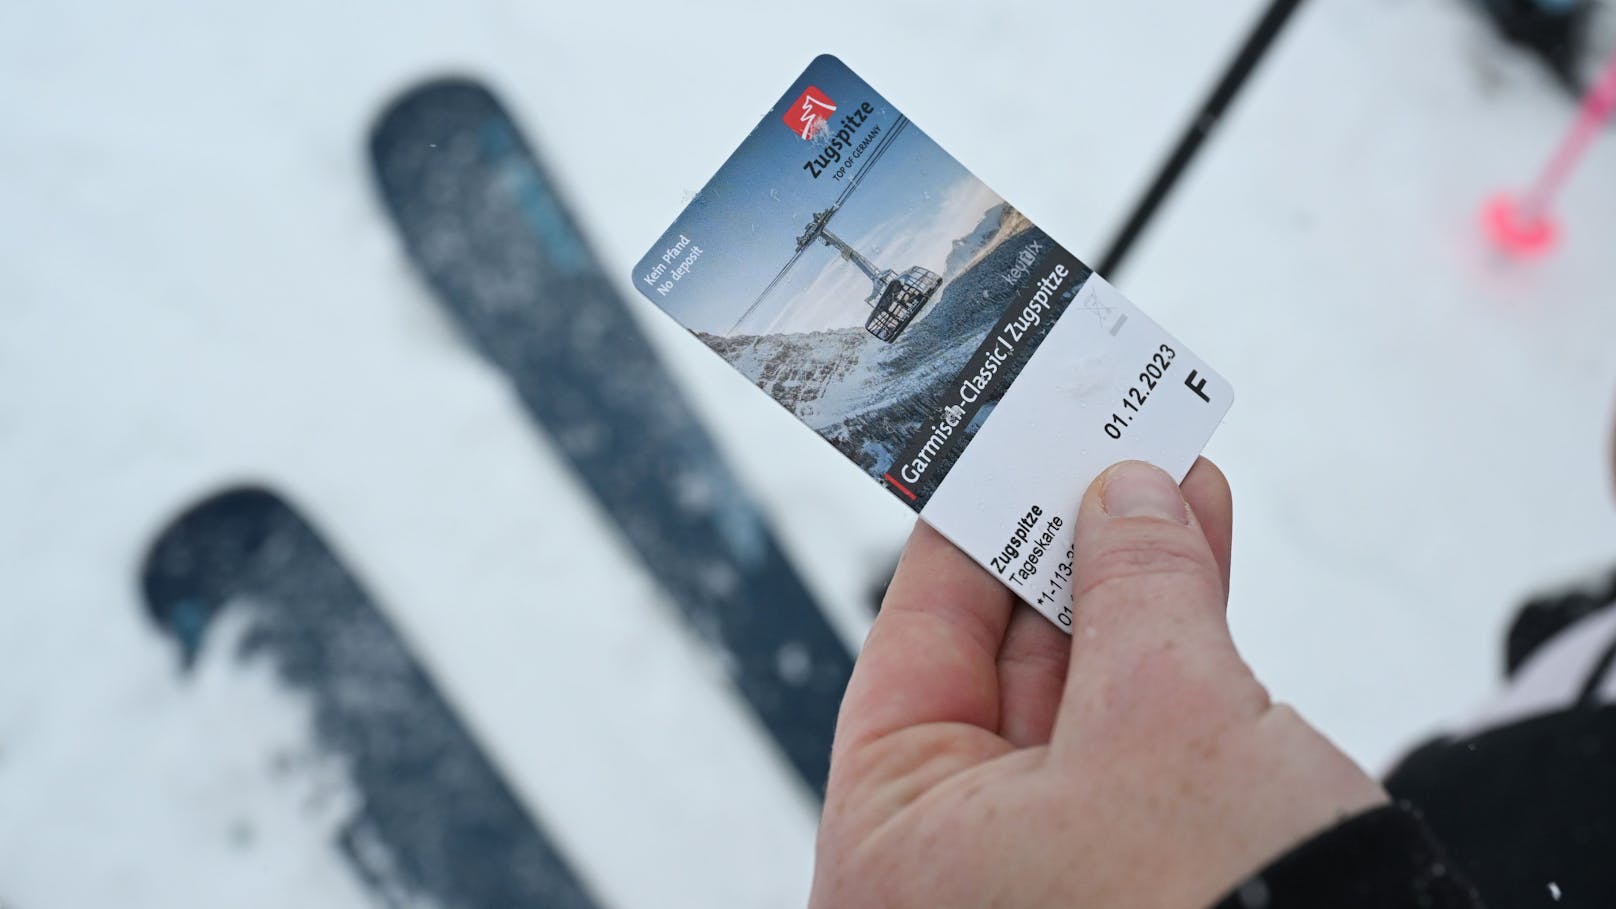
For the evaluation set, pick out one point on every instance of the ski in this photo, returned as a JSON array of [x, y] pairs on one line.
[[434, 823], [482, 222]]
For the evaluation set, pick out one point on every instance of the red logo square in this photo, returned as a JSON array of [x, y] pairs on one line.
[[810, 113]]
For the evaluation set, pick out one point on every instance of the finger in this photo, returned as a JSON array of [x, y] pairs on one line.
[[1033, 661], [1032, 670], [1207, 491], [931, 655], [1148, 598]]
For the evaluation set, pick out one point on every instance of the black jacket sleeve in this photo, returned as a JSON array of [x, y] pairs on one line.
[[1385, 859]]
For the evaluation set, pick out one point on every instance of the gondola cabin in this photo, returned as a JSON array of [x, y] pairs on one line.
[[900, 301]]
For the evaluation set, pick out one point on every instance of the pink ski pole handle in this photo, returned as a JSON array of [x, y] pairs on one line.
[[1527, 226], [1597, 106]]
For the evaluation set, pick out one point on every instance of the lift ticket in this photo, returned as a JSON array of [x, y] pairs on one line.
[[875, 288]]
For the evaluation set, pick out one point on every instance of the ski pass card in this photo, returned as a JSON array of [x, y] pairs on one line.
[[982, 374]]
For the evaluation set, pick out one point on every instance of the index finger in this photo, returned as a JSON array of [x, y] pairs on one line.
[[932, 655]]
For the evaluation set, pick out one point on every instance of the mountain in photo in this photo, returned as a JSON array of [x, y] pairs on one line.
[[868, 397]]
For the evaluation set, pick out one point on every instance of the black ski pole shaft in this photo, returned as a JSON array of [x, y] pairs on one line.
[[1200, 126]]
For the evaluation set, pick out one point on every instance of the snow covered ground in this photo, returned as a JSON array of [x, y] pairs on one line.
[[200, 288]]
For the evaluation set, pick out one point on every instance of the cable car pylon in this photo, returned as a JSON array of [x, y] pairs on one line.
[[895, 297]]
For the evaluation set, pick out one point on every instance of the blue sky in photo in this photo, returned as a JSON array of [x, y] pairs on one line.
[[910, 207]]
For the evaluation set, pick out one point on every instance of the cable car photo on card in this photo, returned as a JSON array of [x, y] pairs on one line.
[[862, 277], [845, 264]]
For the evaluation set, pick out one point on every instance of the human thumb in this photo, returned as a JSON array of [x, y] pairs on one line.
[[1148, 596], [1162, 729]]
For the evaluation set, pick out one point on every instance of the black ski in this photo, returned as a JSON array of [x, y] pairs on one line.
[[482, 221], [435, 823]]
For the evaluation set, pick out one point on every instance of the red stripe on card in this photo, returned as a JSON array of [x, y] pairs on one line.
[[901, 488]]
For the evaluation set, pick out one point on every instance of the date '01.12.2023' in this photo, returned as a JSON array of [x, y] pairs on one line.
[[1137, 395]]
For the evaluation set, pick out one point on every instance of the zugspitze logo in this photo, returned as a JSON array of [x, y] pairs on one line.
[[809, 114]]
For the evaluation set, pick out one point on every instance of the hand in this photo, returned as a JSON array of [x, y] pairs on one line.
[[983, 758]]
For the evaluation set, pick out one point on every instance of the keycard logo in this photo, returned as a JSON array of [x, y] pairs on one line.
[[810, 113]]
